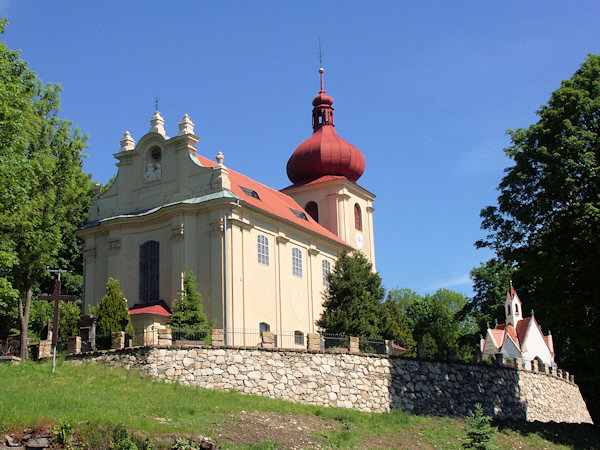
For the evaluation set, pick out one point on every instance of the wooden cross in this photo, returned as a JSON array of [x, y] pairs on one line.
[[56, 298]]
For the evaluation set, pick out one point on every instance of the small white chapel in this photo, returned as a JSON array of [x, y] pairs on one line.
[[260, 255], [519, 337]]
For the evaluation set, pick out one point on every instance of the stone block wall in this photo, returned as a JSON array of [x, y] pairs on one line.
[[365, 382]]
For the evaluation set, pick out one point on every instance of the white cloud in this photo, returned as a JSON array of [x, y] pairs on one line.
[[459, 280]]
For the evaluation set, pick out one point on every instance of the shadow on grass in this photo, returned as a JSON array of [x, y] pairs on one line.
[[576, 435]]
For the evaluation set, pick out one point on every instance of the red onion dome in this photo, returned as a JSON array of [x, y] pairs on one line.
[[324, 153]]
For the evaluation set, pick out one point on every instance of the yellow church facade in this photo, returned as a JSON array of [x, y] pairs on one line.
[[260, 256]]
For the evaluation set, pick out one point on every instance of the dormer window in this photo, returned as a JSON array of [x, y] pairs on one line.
[[250, 192], [299, 214]]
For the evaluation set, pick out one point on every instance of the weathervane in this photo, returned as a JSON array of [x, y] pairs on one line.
[[156, 104]]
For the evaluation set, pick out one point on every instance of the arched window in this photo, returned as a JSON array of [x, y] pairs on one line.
[[313, 210], [149, 272], [508, 310], [516, 308], [297, 262], [298, 337], [357, 217], [326, 270], [264, 326], [263, 250]]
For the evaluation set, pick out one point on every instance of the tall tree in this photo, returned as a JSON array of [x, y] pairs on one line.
[[491, 281], [353, 300], [547, 222], [111, 310], [43, 191], [188, 313], [433, 318], [398, 326]]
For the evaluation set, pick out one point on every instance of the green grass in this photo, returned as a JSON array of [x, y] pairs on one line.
[[95, 397]]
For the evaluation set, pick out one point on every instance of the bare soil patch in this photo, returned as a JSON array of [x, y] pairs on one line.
[[288, 430]]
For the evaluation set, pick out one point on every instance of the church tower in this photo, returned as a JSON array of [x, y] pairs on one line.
[[513, 307], [324, 170]]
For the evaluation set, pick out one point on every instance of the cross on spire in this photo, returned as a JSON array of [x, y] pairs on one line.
[[320, 53]]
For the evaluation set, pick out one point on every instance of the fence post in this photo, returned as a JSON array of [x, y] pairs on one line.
[[421, 351], [314, 342], [519, 363], [165, 337], [217, 337], [451, 354], [73, 345], [268, 339], [45, 349], [499, 360], [117, 340], [534, 365], [354, 344]]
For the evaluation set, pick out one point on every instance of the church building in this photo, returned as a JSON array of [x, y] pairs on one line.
[[519, 337], [260, 256]]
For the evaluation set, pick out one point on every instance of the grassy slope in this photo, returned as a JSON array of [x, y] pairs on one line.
[[29, 393]]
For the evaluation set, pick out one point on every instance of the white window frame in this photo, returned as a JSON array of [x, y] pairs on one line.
[[297, 262], [262, 243]]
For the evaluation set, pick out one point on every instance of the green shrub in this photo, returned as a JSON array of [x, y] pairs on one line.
[[111, 310], [480, 431], [123, 439], [63, 434]]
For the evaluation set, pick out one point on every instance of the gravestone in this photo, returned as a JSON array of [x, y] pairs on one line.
[[87, 333]]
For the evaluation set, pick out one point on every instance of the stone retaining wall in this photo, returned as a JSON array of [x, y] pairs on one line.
[[365, 382]]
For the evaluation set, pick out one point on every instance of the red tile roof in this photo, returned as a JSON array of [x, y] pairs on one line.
[[522, 329], [498, 337], [272, 201], [153, 309]]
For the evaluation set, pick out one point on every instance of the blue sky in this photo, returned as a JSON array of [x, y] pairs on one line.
[[426, 90]]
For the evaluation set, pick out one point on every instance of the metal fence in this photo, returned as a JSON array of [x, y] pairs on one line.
[[194, 337], [330, 341], [368, 345], [242, 337]]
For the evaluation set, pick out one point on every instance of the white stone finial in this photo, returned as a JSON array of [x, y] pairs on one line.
[[220, 158], [186, 126], [127, 142], [157, 124]]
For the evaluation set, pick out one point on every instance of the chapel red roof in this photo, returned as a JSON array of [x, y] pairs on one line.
[[153, 309], [272, 201], [522, 329], [324, 153]]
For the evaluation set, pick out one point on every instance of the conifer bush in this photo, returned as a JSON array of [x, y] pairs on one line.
[[480, 431], [188, 313], [111, 310]]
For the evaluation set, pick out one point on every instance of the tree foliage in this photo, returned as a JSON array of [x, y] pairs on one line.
[[353, 300], [111, 310], [433, 320], [491, 281], [398, 327], [44, 194], [188, 313], [547, 221]]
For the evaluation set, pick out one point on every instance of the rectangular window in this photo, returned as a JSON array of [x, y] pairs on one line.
[[298, 338], [263, 250], [297, 262], [326, 270], [149, 272]]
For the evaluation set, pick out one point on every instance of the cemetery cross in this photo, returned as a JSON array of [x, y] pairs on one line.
[[56, 298]]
